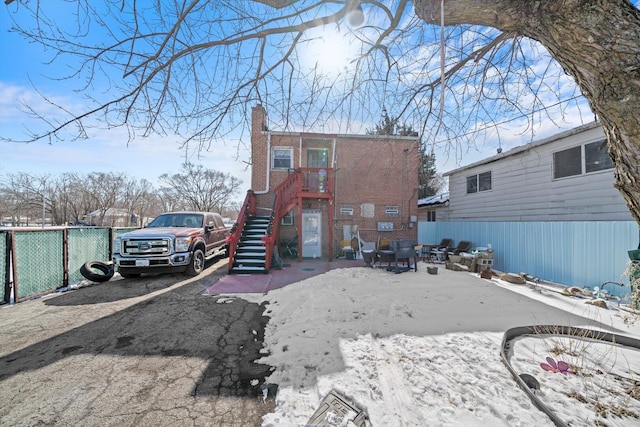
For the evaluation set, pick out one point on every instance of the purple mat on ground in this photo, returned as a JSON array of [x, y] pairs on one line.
[[293, 271]]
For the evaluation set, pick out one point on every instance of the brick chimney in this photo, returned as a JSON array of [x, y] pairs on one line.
[[259, 155], [258, 119]]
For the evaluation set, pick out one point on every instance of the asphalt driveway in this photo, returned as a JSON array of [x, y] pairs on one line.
[[144, 352], [165, 351]]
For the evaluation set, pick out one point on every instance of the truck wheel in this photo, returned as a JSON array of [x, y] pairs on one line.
[[96, 271], [197, 263]]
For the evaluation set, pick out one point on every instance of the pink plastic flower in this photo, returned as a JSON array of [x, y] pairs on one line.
[[555, 367]]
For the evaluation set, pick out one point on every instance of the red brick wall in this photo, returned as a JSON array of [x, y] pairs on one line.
[[382, 172], [377, 170]]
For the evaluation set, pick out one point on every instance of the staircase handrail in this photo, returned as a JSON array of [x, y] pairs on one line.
[[287, 190], [269, 238], [284, 192], [248, 208]]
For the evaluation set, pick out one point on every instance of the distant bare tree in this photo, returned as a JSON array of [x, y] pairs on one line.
[[196, 67], [102, 191], [231, 210], [78, 200], [27, 193], [140, 199], [170, 201], [201, 189]]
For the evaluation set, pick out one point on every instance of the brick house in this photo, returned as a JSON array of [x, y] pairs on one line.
[[324, 188]]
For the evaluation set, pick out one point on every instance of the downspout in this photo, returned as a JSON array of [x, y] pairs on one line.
[[404, 182], [335, 182], [266, 190]]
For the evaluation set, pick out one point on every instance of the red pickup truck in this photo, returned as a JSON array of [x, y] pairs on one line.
[[174, 241]]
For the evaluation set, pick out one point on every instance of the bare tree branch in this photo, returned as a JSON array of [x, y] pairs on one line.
[[195, 68]]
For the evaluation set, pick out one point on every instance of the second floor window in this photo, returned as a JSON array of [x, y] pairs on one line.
[[282, 158], [317, 157], [479, 182], [582, 159]]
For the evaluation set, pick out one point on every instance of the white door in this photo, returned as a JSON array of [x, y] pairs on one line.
[[311, 234]]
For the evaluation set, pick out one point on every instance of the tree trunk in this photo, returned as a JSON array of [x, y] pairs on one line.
[[595, 41]]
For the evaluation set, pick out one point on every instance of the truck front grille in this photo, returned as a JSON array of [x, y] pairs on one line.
[[149, 247]]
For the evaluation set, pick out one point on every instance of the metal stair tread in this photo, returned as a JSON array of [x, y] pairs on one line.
[[248, 269], [246, 263]]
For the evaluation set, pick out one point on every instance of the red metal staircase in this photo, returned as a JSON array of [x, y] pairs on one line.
[[254, 237]]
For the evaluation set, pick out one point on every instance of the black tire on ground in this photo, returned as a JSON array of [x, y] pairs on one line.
[[96, 271], [197, 263]]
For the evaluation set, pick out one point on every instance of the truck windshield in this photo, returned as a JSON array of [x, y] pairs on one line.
[[177, 220]]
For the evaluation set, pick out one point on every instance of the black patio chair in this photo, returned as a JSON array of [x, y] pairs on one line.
[[291, 248], [405, 250], [439, 253], [463, 246]]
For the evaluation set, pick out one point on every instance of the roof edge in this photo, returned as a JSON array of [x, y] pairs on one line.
[[522, 148]]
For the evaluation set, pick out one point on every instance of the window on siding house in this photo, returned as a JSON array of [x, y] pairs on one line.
[[431, 216], [484, 181], [567, 162], [592, 157], [596, 157], [479, 182], [472, 184], [282, 158]]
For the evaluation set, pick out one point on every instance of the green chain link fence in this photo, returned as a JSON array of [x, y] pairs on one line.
[[49, 259], [39, 262], [86, 244], [4, 266]]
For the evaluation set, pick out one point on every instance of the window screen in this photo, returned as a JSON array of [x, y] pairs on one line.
[[596, 157], [484, 181], [567, 162], [282, 158], [472, 184], [479, 182]]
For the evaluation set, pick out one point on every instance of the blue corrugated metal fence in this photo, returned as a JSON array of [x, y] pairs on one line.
[[580, 253]]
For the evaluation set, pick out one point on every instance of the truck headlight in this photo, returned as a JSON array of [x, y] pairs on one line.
[[182, 244], [117, 244]]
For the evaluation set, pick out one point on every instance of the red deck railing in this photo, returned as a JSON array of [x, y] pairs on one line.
[[249, 207], [301, 183]]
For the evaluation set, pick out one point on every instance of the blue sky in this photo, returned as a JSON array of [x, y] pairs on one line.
[[22, 65]]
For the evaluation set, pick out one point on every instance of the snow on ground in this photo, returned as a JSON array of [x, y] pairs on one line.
[[415, 349]]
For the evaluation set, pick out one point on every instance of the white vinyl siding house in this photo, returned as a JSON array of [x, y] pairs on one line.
[[562, 178]]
